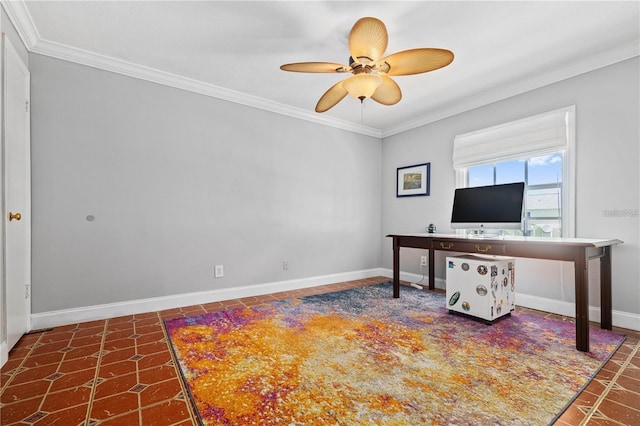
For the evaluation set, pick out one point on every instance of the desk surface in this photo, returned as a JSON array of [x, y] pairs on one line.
[[585, 242]]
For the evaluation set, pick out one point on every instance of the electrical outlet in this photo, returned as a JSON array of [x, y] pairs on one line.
[[218, 271], [423, 260], [285, 265]]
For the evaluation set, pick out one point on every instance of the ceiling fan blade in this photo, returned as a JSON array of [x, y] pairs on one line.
[[368, 39], [331, 97], [315, 67], [388, 93], [416, 61]]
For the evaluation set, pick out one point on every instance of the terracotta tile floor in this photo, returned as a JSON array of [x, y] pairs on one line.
[[120, 371]]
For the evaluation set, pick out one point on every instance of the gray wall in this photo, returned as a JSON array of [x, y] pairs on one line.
[[607, 145], [178, 182]]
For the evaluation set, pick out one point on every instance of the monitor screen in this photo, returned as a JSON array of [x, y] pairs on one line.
[[493, 207]]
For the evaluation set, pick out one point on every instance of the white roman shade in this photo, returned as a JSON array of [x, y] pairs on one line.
[[538, 135]]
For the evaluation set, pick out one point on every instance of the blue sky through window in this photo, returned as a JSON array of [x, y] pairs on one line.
[[546, 169], [510, 172], [481, 175]]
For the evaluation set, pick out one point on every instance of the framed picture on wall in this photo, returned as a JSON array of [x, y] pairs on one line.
[[413, 180]]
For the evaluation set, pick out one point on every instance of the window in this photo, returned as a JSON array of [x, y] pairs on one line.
[[538, 151], [542, 176]]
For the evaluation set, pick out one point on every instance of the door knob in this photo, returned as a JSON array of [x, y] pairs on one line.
[[16, 216]]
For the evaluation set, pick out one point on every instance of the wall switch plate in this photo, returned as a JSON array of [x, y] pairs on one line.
[[423, 260], [218, 271], [285, 265]]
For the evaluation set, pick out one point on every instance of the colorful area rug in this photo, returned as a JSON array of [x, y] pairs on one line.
[[360, 357]]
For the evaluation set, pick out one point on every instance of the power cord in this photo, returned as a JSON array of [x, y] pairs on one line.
[[419, 284]]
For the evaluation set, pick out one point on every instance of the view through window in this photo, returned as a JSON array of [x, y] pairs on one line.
[[542, 176]]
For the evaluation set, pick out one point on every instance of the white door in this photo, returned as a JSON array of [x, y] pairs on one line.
[[17, 205]]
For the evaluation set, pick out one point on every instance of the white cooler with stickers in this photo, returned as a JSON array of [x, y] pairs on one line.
[[481, 286]]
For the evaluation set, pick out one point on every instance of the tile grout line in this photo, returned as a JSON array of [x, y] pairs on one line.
[[46, 394], [135, 345], [96, 376], [178, 373], [17, 369], [610, 385], [34, 346]]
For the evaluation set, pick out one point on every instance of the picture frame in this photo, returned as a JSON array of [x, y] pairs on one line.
[[413, 181]]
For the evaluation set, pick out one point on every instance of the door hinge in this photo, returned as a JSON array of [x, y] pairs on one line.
[[26, 107], [27, 287]]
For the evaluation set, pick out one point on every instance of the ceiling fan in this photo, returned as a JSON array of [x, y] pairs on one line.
[[367, 43]]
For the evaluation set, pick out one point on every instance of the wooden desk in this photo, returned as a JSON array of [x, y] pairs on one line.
[[577, 250]]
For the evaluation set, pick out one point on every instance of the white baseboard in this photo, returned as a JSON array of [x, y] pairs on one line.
[[113, 310], [619, 318], [415, 278]]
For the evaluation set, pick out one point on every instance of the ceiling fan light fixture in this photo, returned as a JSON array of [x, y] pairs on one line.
[[362, 86], [371, 71]]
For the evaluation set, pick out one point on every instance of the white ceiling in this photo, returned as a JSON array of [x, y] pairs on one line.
[[233, 49]]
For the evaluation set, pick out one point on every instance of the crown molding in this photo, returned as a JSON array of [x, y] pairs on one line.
[[21, 19], [94, 60], [592, 63]]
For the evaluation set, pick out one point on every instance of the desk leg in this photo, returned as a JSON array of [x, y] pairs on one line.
[[432, 270], [582, 300], [396, 269], [606, 321]]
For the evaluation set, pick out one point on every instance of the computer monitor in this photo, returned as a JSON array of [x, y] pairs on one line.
[[490, 207]]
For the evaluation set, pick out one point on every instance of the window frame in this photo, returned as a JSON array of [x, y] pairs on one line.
[[568, 221]]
